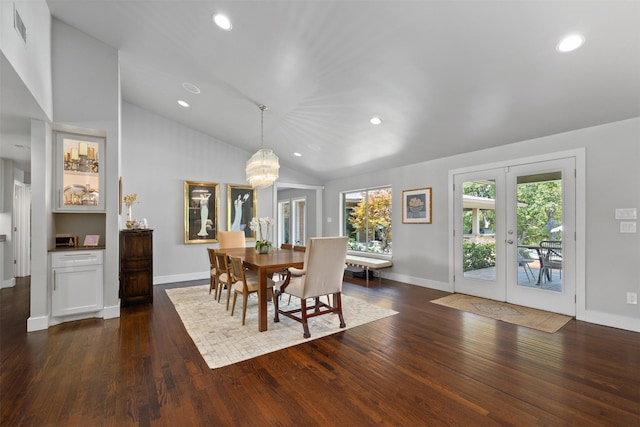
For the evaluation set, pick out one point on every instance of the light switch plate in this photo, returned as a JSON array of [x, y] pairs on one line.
[[626, 213], [628, 227]]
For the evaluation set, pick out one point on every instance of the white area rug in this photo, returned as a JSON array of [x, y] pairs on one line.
[[222, 340]]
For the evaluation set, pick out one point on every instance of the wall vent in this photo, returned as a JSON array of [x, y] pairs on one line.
[[18, 24]]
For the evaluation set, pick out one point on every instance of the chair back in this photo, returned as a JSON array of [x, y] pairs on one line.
[[324, 262], [222, 262], [237, 270], [212, 257], [287, 246], [298, 248], [552, 249], [232, 239]]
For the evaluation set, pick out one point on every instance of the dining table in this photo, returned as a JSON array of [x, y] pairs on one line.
[[265, 264]]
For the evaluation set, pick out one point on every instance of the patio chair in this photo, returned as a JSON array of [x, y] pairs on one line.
[[524, 258], [324, 265], [551, 258]]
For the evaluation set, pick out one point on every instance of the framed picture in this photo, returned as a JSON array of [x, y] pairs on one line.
[[242, 205], [416, 206], [91, 240], [201, 209]]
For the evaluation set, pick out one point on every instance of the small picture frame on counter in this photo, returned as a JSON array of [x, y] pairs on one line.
[[91, 240]]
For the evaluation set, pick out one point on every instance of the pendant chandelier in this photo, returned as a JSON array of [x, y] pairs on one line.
[[262, 168]]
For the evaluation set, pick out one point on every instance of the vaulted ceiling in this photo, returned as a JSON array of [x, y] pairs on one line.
[[445, 77]]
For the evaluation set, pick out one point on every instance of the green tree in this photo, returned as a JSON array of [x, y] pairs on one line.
[[539, 210], [373, 215]]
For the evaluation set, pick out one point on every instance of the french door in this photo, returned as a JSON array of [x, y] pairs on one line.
[[514, 234]]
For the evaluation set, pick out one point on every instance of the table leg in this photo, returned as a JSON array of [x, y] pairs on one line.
[[262, 299]]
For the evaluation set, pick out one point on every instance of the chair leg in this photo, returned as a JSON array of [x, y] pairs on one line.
[[244, 306], [228, 294], [305, 325], [337, 301], [276, 306], [233, 307]]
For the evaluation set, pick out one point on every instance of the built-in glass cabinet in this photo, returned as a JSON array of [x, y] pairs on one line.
[[79, 169]]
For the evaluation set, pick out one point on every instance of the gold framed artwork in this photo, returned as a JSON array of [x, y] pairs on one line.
[[416, 206], [242, 205], [201, 212]]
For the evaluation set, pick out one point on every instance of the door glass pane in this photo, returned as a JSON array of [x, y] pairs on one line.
[[284, 217], [479, 226], [299, 227], [539, 230]]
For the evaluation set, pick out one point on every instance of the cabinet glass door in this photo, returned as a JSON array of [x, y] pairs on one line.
[[79, 170]]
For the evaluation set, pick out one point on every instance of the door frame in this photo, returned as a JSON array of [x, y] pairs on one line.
[[580, 217]]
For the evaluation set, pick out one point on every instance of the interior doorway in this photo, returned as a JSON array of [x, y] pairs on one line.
[[21, 229]]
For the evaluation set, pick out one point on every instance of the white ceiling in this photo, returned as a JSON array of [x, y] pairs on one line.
[[446, 77]]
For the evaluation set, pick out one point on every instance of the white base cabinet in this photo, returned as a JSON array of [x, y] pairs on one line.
[[76, 282]]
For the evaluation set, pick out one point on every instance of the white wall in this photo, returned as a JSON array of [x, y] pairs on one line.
[[31, 60], [89, 97], [86, 87], [158, 155], [420, 252]]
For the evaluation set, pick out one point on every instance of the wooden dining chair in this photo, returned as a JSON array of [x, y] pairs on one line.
[[213, 279], [225, 278], [287, 246], [232, 239], [298, 248], [245, 284]]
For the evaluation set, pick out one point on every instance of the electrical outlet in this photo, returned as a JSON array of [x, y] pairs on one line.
[[632, 298]]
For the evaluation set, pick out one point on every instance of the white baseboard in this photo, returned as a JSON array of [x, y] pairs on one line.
[[431, 284], [161, 280], [612, 320], [111, 312], [37, 323], [9, 283]]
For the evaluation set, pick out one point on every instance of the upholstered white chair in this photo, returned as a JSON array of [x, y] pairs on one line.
[[322, 274], [245, 285], [232, 239]]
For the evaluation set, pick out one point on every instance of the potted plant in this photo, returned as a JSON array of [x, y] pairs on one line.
[[263, 228]]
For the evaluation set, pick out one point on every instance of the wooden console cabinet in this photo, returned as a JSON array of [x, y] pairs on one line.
[[136, 266]]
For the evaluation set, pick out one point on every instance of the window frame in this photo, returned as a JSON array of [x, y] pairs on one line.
[[343, 220]]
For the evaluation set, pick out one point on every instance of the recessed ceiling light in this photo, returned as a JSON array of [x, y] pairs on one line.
[[191, 88], [222, 21], [375, 120], [297, 154], [183, 103], [570, 43]]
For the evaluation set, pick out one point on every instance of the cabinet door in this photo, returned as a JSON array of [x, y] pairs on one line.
[[79, 168], [136, 284], [76, 290]]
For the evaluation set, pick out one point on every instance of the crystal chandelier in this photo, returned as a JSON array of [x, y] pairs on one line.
[[262, 168]]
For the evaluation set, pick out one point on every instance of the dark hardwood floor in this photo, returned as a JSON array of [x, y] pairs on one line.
[[428, 365]]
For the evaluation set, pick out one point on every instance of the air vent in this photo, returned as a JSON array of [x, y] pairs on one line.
[[18, 24]]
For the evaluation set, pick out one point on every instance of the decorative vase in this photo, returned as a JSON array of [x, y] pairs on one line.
[[129, 222], [263, 249]]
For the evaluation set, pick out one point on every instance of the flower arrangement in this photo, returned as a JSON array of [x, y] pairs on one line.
[[129, 200], [263, 228]]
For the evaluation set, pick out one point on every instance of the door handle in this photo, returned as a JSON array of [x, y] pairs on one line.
[[510, 242]]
